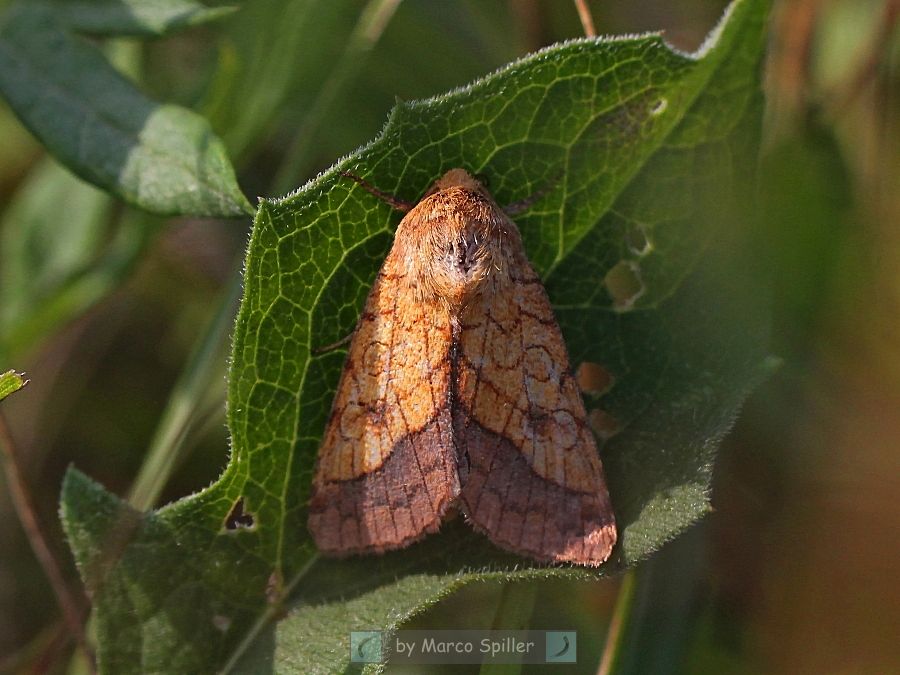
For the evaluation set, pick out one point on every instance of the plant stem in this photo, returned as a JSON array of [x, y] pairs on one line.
[[373, 19], [184, 404], [621, 614], [271, 613], [513, 613], [24, 505], [587, 21], [844, 95]]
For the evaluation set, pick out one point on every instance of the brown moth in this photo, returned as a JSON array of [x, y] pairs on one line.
[[457, 392]]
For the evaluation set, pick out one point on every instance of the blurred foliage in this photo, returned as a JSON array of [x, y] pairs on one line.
[[683, 359], [104, 311]]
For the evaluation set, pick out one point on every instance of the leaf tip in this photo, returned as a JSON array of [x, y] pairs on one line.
[[730, 20], [11, 382], [97, 524], [245, 208]]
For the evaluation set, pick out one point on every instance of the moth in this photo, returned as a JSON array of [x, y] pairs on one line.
[[457, 393]]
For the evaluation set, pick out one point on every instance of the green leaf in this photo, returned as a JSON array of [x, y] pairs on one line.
[[643, 158], [161, 158], [133, 17], [41, 260], [10, 383], [38, 254], [52, 270]]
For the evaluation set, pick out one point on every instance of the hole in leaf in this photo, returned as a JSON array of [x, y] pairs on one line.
[[660, 107], [604, 425], [593, 378], [624, 284], [238, 518], [637, 240]]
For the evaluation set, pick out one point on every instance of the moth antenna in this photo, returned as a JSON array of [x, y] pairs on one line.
[[391, 200], [522, 205], [334, 345]]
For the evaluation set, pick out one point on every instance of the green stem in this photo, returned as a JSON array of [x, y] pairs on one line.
[[185, 404], [513, 613], [620, 617], [657, 614], [266, 619], [373, 20]]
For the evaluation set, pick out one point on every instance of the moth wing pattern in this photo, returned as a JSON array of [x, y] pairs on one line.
[[534, 482], [386, 471], [457, 390]]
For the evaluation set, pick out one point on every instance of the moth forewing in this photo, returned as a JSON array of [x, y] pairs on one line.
[[457, 390]]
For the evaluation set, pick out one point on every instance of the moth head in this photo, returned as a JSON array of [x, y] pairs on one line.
[[462, 256], [453, 240]]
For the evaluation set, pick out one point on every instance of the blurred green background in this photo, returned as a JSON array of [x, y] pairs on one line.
[[794, 572]]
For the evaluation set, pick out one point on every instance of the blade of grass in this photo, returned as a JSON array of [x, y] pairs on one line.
[[185, 403], [513, 613], [621, 614], [373, 20], [661, 616]]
